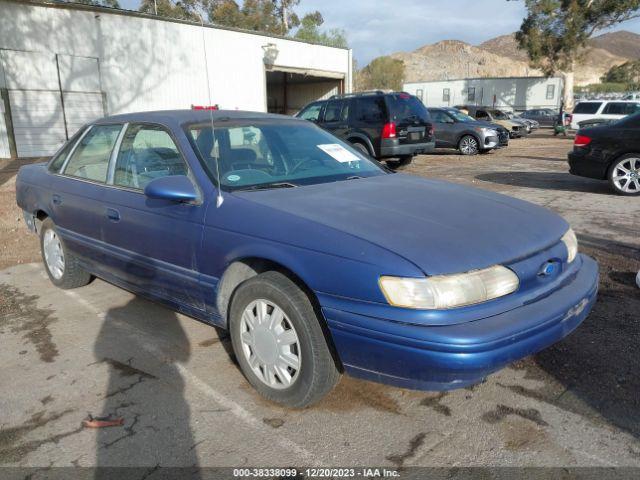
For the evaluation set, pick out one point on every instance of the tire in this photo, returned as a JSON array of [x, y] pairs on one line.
[[624, 175], [257, 347], [469, 145], [61, 265], [400, 162], [361, 147]]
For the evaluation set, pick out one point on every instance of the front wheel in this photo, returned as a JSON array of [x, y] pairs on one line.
[[279, 343], [468, 145], [624, 175], [61, 265]]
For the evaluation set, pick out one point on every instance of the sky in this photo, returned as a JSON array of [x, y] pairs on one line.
[[381, 27]]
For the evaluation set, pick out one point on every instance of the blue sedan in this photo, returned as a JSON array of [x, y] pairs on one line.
[[316, 258]]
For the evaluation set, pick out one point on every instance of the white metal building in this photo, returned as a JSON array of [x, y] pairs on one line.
[[62, 65], [513, 93]]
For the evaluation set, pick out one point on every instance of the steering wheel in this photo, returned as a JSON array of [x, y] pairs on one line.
[[299, 165]]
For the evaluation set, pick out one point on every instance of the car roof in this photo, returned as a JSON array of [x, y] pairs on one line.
[[181, 117], [608, 101]]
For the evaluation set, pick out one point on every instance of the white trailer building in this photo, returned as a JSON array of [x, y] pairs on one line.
[[513, 93], [62, 65]]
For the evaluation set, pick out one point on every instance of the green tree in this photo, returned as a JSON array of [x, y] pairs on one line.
[[382, 73], [555, 32], [225, 12], [627, 74], [183, 10], [310, 31]]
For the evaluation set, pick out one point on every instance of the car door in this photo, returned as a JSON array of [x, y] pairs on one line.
[[445, 128], [336, 117], [78, 191], [153, 244], [368, 119]]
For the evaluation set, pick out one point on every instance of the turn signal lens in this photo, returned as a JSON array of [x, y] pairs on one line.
[[449, 291]]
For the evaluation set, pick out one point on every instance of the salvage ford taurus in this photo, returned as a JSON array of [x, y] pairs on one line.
[[317, 259]]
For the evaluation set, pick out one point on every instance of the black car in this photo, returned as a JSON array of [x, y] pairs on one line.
[[544, 116], [454, 129], [610, 152], [388, 126]]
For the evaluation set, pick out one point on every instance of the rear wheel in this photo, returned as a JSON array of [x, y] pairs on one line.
[[469, 145], [279, 343], [624, 175], [61, 265], [361, 147]]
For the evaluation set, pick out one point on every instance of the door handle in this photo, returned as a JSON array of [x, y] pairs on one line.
[[56, 199], [113, 214]]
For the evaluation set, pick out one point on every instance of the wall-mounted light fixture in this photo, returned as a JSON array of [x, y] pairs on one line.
[[270, 54]]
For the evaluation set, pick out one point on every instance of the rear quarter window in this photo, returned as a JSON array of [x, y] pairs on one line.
[[403, 107], [587, 107], [371, 110]]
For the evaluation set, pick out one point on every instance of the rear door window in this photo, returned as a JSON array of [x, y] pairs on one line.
[[405, 108], [90, 160], [147, 152], [482, 115], [333, 110], [371, 109], [620, 108], [589, 108]]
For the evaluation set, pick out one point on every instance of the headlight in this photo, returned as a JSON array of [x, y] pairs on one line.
[[449, 291], [571, 242]]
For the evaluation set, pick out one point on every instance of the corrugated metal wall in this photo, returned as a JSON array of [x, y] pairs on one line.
[[146, 63]]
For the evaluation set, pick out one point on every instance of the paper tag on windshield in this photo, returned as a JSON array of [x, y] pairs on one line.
[[338, 152]]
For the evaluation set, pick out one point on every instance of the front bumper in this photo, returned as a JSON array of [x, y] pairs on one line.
[[454, 356], [393, 148]]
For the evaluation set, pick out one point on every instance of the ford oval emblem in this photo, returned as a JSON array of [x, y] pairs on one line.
[[547, 269]]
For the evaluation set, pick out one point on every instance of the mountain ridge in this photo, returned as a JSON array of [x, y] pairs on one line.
[[500, 57]]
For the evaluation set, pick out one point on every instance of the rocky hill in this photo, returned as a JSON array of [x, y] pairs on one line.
[[500, 57]]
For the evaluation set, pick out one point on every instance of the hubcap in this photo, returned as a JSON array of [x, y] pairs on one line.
[[626, 175], [270, 344], [469, 146], [53, 255]]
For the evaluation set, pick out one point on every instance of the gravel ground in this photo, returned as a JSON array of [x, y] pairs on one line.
[[102, 350]]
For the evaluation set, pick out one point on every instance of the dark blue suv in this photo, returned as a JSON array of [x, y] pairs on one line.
[[388, 126]]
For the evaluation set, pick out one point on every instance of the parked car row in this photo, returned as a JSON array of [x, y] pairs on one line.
[[394, 127]]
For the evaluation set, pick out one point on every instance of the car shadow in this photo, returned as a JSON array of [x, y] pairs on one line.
[[547, 181], [597, 365], [140, 344], [546, 159]]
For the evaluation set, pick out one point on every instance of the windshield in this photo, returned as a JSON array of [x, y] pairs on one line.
[[461, 117], [256, 154], [498, 115]]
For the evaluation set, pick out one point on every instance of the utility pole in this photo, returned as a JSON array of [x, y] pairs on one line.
[[155, 6]]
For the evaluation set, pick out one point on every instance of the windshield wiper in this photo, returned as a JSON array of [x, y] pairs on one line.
[[268, 186]]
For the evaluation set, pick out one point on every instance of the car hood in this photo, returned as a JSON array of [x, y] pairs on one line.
[[438, 226]]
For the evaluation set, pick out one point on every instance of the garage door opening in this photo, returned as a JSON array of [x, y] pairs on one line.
[[288, 92]]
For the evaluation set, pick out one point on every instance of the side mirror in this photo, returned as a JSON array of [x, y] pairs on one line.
[[174, 188]]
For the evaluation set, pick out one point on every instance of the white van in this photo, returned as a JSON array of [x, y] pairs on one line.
[[605, 109]]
